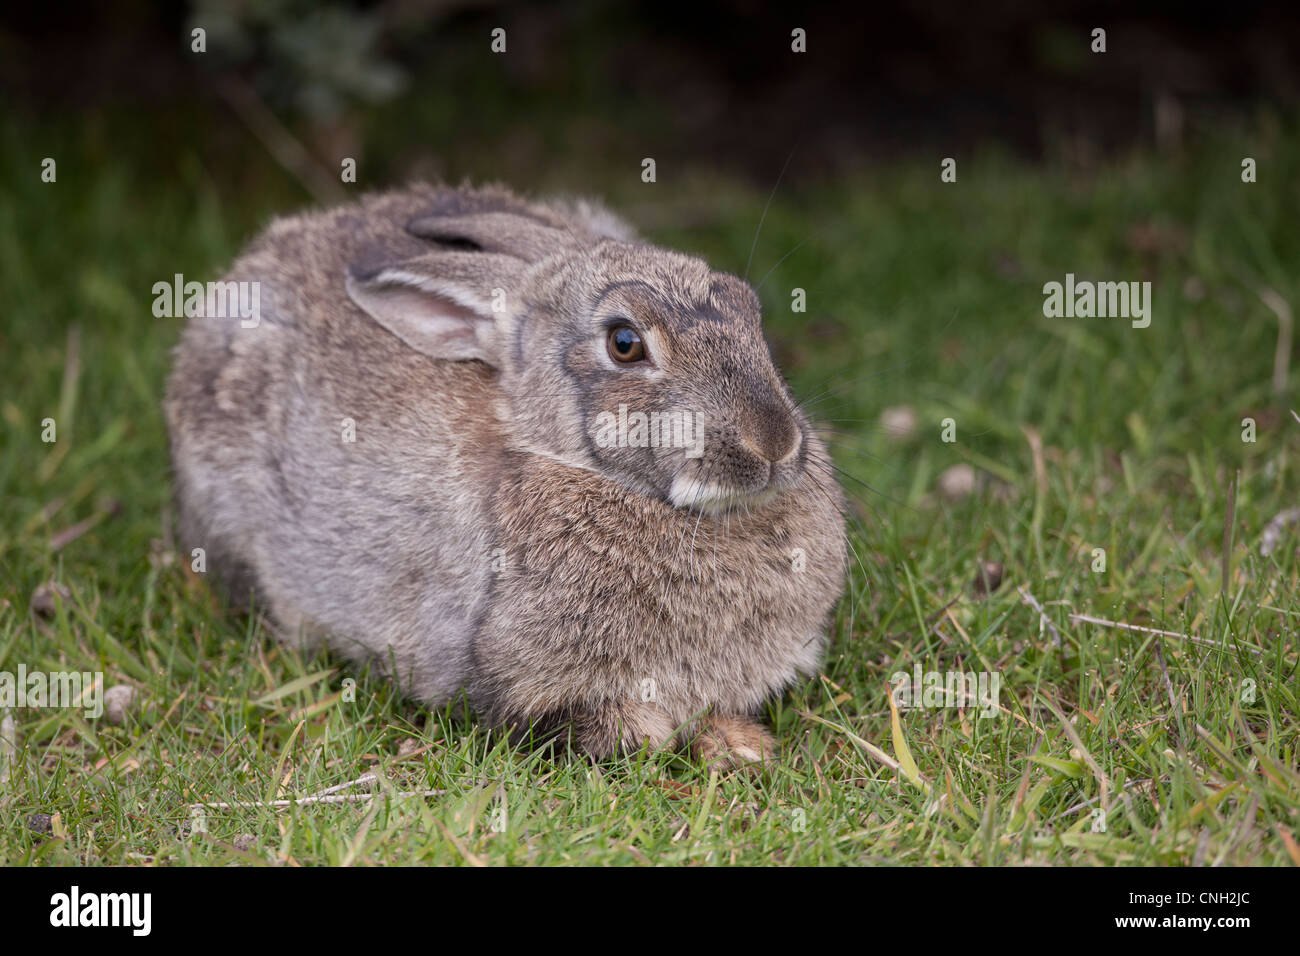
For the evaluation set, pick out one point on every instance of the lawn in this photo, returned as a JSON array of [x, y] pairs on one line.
[[1090, 443]]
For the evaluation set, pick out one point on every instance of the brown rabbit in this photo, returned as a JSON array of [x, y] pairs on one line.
[[502, 447]]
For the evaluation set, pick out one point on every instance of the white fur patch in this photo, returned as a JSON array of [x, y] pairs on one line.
[[712, 498]]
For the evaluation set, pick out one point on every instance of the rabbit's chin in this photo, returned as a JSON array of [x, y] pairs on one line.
[[711, 498]]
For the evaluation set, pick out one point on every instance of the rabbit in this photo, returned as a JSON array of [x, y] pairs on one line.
[[400, 460]]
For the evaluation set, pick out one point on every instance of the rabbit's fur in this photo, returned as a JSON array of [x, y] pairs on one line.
[[475, 536]]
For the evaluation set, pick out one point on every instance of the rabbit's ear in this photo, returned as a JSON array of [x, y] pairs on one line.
[[514, 234], [442, 318]]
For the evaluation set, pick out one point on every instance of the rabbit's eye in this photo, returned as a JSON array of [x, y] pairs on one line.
[[625, 346]]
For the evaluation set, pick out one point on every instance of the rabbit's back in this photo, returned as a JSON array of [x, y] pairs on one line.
[[322, 465]]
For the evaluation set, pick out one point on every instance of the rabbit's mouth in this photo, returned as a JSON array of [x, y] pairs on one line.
[[713, 498]]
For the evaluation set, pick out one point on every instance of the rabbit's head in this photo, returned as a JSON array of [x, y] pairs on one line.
[[612, 355]]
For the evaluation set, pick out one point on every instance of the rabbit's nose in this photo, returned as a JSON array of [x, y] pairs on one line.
[[770, 431]]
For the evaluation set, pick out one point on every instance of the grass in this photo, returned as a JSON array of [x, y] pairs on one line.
[[1085, 434]]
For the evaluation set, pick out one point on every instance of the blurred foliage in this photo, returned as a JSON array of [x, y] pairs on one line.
[[312, 58]]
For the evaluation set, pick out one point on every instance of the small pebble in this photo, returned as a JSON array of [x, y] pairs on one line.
[[899, 422], [957, 482], [1193, 289], [988, 578], [118, 701], [44, 600]]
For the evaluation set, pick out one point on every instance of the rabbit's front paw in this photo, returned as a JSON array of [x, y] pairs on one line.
[[732, 742], [609, 729]]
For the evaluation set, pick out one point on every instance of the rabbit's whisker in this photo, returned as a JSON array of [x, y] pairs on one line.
[[763, 218]]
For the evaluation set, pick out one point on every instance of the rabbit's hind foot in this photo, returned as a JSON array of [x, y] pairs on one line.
[[731, 742]]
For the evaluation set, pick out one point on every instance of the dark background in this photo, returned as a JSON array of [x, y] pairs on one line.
[[877, 81]]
